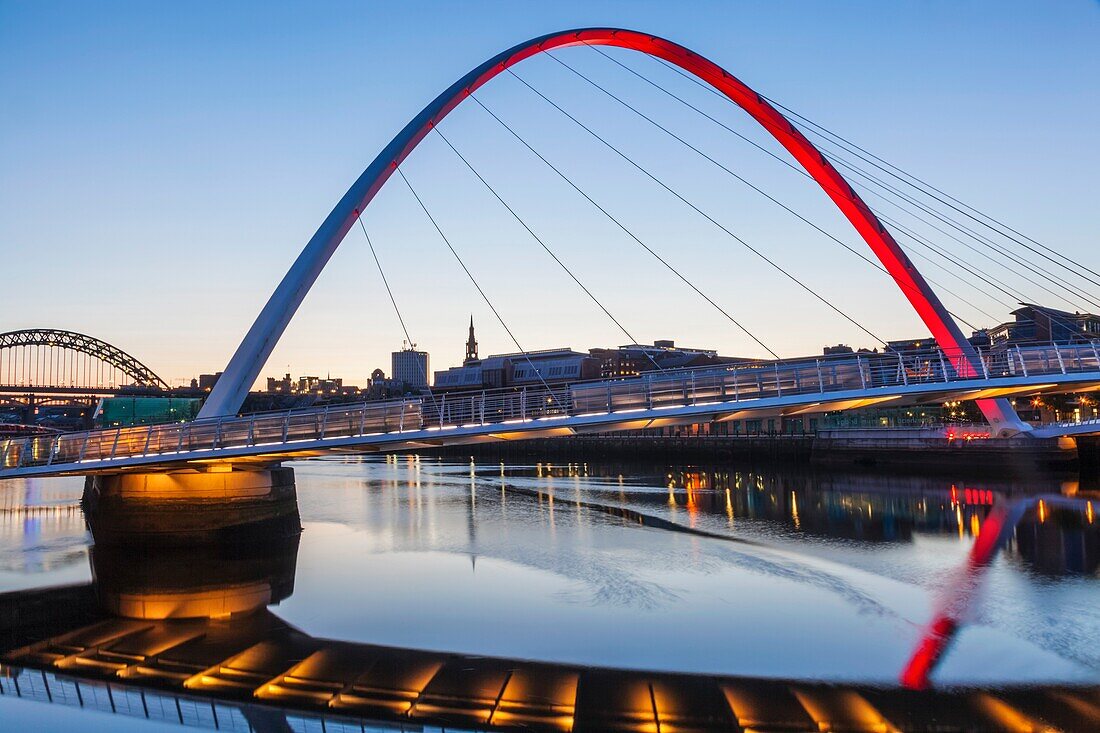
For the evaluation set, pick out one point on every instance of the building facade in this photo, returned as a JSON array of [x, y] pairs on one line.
[[1038, 324], [410, 366], [532, 368]]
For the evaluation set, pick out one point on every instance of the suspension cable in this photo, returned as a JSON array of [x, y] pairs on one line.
[[788, 163], [626, 230], [393, 300], [984, 241], [478, 286], [702, 213], [952, 237], [993, 282], [779, 158], [878, 266], [936, 193], [820, 135], [889, 166], [543, 244]]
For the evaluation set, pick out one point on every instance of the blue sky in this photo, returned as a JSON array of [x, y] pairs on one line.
[[161, 165]]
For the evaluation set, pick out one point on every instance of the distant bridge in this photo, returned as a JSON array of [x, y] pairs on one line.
[[53, 361], [656, 399]]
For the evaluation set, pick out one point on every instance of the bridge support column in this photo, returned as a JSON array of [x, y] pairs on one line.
[[192, 507]]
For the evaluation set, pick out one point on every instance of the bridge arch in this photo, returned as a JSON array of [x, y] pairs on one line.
[[52, 338], [228, 394]]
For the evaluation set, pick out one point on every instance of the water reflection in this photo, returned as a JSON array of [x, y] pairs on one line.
[[757, 575], [177, 655], [864, 507]]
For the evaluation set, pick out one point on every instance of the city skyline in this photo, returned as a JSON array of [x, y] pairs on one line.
[[204, 211]]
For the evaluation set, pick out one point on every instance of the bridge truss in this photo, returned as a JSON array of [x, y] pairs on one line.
[[46, 359]]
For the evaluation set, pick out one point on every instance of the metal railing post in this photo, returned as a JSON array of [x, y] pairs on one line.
[[286, 427], [943, 367], [778, 386], [985, 367], [1058, 353], [252, 431], [363, 419], [324, 422], [4, 453], [820, 378], [901, 366], [442, 409], [148, 437], [862, 378], [1095, 353], [53, 451], [1020, 354], [114, 446], [482, 407], [26, 448]]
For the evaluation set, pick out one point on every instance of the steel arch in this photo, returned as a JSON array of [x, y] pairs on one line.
[[105, 352], [228, 394]]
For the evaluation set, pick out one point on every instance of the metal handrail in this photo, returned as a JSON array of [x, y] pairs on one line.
[[652, 390]]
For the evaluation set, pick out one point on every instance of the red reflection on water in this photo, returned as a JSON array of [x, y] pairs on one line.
[[956, 600]]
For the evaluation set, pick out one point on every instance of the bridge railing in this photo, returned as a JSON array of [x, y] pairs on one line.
[[249, 430], [738, 382]]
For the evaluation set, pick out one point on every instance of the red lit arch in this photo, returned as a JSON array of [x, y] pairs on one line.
[[243, 369]]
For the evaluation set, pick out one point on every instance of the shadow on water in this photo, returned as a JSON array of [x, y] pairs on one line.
[[187, 635]]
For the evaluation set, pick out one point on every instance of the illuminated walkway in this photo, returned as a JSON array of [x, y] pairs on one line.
[[657, 399]]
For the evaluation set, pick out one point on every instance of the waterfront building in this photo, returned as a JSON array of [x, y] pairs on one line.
[[1039, 324], [410, 366], [115, 412], [633, 359], [978, 339], [521, 369]]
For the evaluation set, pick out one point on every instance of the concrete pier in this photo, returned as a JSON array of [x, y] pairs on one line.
[[192, 507]]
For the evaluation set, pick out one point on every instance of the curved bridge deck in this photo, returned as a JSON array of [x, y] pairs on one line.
[[657, 399]]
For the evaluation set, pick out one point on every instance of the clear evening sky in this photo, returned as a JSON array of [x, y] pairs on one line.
[[162, 164]]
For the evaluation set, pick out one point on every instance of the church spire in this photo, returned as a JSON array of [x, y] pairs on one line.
[[471, 343]]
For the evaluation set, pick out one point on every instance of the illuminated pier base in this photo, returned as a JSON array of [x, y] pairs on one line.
[[192, 507]]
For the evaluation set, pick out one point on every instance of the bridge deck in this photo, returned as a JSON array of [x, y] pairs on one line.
[[656, 399]]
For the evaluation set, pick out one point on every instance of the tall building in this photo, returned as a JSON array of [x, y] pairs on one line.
[[471, 345], [410, 366]]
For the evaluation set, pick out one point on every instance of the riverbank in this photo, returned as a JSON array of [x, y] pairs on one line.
[[923, 450]]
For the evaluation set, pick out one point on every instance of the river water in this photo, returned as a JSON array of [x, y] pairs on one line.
[[719, 569]]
